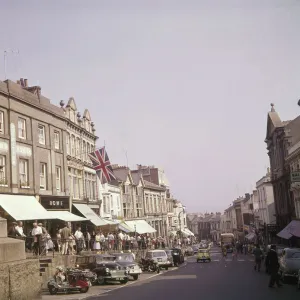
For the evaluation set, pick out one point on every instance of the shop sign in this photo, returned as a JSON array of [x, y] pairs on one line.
[[55, 203], [295, 176]]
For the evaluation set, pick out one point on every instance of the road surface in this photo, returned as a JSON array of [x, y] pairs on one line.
[[229, 278]]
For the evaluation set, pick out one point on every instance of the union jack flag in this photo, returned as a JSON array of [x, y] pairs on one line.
[[102, 165]]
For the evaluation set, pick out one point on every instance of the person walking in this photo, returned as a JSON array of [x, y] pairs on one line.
[[258, 255], [65, 236], [273, 264]]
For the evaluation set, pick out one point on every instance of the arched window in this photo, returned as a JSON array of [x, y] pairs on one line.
[[77, 147], [88, 149], [84, 150], [73, 145], [68, 143]]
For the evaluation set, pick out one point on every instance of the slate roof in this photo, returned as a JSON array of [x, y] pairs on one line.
[[154, 186], [121, 173]]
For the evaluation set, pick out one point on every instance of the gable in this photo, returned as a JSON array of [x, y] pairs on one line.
[[72, 104], [87, 115]]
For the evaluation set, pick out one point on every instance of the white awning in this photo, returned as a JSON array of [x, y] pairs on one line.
[[188, 231], [66, 216], [293, 229], [250, 236], [140, 226], [90, 214], [24, 208]]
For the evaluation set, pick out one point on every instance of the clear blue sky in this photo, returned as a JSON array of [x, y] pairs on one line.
[[185, 85]]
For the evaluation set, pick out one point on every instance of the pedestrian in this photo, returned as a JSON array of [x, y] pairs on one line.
[[258, 255], [79, 240], [234, 252], [273, 265], [65, 236], [36, 233]]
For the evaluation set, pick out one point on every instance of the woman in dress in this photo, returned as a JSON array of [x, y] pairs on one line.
[[97, 241]]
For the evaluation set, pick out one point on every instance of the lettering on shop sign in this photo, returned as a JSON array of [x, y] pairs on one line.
[[55, 203]]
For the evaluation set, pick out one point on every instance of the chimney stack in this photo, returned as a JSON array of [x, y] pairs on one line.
[[26, 82]]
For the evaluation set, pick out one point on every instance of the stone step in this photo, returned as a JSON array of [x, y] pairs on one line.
[[44, 265], [45, 260]]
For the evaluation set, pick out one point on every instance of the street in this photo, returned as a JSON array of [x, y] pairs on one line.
[[222, 278]]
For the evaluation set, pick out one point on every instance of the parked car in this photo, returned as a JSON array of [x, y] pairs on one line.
[[127, 260], [104, 266], [289, 263], [170, 256], [195, 248], [189, 251], [178, 256], [160, 257]]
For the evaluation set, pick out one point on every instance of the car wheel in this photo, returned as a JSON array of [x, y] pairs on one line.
[[84, 290], [135, 277], [53, 290], [197, 260], [100, 280], [124, 281]]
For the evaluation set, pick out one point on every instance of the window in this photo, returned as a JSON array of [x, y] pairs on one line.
[[68, 144], [84, 154], [1, 122], [22, 128], [23, 171], [77, 146], [73, 145], [56, 139], [58, 178], [41, 132], [2, 170], [43, 176]]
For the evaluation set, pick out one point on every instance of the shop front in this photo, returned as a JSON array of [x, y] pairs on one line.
[[58, 208]]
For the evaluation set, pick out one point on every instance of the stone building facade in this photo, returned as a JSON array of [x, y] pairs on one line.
[[80, 141], [278, 142], [32, 153], [293, 162], [266, 200]]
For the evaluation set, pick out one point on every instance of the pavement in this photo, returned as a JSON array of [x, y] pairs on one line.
[[230, 278]]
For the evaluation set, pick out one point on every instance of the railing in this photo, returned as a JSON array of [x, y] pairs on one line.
[[44, 247]]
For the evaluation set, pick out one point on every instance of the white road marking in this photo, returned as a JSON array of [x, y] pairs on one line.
[[215, 260], [240, 260]]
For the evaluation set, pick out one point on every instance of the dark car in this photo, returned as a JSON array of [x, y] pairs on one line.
[[104, 266], [127, 261], [178, 256]]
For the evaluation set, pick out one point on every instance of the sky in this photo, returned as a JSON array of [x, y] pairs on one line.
[[182, 85]]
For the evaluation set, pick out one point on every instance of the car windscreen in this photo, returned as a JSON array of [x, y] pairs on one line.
[[105, 258], [156, 254], [293, 255], [128, 258], [202, 251]]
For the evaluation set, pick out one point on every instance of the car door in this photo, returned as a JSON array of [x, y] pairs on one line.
[[282, 261]]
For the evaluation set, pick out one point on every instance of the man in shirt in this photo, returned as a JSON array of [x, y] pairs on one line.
[[79, 240], [36, 233], [65, 236]]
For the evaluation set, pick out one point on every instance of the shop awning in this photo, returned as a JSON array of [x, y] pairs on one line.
[[86, 211], [250, 236], [124, 227], [24, 208], [66, 216], [293, 229], [140, 226], [188, 231]]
